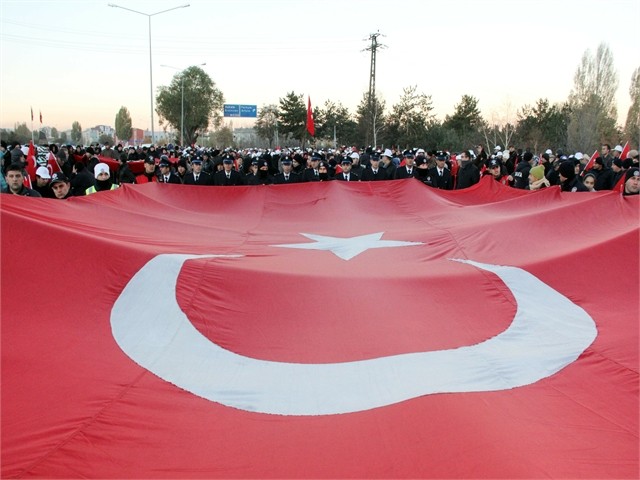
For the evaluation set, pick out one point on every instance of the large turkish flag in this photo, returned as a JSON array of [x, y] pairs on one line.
[[333, 329]]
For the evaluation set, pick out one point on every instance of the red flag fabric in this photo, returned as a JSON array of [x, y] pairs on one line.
[[32, 114], [625, 151], [31, 163], [250, 332], [40, 117], [590, 163], [311, 128]]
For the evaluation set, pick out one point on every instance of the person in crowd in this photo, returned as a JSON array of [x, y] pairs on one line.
[[632, 159], [324, 172], [181, 169], [107, 151], [356, 168], [227, 176], [103, 180], [589, 181], [606, 155], [421, 171], [81, 179], [166, 175], [149, 175], [537, 180], [497, 171], [261, 175], [617, 167], [197, 176], [521, 175], [406, 170], [346, 175], [374, 172], [386, 162], [569, 180], [125, 175], [604, 175], [468, 173], [287, 175], [632, 182], [14, 176], [439, 175], [60, 186], [311, 174], [43, 177], [481, 155]]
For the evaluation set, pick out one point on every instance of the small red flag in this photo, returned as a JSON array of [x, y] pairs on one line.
[[32, 114], [625, 151], [590, 163], [41, 117], [311, 128]]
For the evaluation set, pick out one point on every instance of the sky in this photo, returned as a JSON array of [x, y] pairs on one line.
[[83, 60]]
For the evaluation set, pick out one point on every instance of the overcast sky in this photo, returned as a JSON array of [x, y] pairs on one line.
[[83, 60]]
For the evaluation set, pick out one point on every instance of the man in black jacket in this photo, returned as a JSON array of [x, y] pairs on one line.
[[439, 175], [468, 173], [197, 176]]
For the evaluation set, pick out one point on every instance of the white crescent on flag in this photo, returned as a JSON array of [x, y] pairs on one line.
[[543, 339]]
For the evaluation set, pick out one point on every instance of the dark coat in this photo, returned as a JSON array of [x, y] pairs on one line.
[[203, 179], [278, 178], [467, 176], [220, 178], [444, 182], [402, 172], [369, 176], [352, 177]]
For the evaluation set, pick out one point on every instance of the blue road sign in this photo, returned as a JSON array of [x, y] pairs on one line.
[[245, 111]]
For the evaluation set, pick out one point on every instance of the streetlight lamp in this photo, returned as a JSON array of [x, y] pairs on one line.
[[182, 103], [149, 15]]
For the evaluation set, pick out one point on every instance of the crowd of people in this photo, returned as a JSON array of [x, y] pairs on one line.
[[62, 171]]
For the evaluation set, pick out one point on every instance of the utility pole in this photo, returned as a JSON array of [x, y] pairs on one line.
[[373, 105]]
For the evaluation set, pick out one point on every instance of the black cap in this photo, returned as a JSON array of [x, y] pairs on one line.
[[58, 177], [149, 160], [494, 163], [196, 160]]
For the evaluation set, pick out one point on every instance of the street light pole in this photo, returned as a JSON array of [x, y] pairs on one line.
[[149, 15], [181, 73]]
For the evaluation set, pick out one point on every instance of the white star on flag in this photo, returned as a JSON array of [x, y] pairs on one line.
[[347, 248]]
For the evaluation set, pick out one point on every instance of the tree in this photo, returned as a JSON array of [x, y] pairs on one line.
[[592, 101], [335, 118], [370, 114], [105, 138], [632, 125], [54, 133], [410, 118], [222, 137], [123, 124], [293, 118], [62, 138], [465, 123], [21, 133], [543, 126], [267, 123], [76, 132], [203, 103]]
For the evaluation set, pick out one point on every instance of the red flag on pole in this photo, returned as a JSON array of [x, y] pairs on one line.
[[590, 163], [625, 151], [311, 128], [32, 114], [41, 117]]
